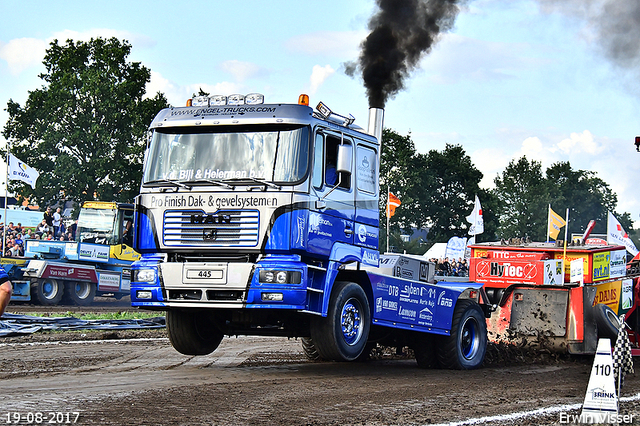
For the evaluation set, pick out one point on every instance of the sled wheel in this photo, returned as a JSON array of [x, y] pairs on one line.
[[607, 321], [465, 348], [48, 291], [342, 335], [193, 332], [79, 293], [309, 349], [424, 348]]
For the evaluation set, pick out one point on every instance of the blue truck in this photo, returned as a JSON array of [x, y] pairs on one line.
[[263, 219]]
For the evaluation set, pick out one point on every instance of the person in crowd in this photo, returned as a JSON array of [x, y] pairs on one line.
[[48, 217], [72, 229], [43, 228], [57, 219]]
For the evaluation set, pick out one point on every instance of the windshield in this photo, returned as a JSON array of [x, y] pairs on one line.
[[96, 226], [273, 153]]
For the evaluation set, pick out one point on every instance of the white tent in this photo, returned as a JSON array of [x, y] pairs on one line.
[[438, 251]]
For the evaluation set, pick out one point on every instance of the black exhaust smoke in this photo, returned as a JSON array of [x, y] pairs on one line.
[[402, 32], [614, 25]]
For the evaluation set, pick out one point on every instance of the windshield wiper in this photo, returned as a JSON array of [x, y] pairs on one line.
[[217, 182], [176, 183], [260, 181]]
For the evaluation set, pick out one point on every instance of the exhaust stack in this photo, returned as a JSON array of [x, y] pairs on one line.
[[376, 119]]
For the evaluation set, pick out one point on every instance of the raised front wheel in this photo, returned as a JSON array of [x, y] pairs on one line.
[[343, 334], [465, 348], [193, 332]]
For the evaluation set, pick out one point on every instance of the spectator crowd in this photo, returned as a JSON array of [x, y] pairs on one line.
[[51, 228], [451, 267]]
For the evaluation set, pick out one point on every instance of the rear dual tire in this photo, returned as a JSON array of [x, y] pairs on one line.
[[466, 346]]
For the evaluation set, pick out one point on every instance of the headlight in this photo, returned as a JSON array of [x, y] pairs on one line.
[[280, 277], [147, 275]]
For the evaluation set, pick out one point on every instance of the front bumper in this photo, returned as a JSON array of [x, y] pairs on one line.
[[220, 285]]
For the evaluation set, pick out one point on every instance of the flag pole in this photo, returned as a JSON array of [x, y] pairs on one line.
[[566, 231], [548, 221], [387, 213]]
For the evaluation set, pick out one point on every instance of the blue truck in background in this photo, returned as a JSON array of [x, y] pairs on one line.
[[263, 219]]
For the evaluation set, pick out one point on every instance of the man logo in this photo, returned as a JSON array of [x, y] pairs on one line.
[[210, 234]]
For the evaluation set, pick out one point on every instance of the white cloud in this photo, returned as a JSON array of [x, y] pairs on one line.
[[318, 76], [531, 146], [580, 142], [22, 53], [242, 71]]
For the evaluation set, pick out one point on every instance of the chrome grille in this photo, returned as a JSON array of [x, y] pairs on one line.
[[236, 228]]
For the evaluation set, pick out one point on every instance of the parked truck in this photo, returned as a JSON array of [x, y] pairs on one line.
[[74, 272], [263, 219]]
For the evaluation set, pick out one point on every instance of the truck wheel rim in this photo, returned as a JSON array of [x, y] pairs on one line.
[[82, 290], [49, 289], [351, 321], [469, 339]]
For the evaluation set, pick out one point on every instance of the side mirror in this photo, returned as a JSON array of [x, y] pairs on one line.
[[344, 159]]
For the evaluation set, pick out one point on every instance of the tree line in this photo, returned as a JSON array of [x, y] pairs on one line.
[[85, 129], [437, 190]]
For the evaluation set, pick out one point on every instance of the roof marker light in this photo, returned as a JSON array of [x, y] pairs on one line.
[[236, 99], [215, 100], [254, 99], [200, 101]]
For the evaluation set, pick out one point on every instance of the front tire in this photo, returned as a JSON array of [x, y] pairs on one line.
[[193, 332], [48, 292], [343, 334], [309, 349], [465, 348]]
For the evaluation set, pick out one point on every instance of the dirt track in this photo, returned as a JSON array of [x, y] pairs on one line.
[[259, 380]]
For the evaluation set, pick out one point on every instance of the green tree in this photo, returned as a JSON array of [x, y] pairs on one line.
[[523, 195], [450, 189], [437, 190], [401, 175], [85, 129], [585, 195]]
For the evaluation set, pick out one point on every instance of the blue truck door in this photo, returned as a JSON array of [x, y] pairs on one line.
[[332, 213], [366, 201]]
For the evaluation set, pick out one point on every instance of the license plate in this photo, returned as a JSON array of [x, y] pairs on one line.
[[204, 274]]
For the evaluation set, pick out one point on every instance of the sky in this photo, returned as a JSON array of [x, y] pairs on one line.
[[539, 78]]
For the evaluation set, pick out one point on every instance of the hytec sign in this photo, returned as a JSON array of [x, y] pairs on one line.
[[512, 271]]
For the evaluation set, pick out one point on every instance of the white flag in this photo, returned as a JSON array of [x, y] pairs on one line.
[[475, 219], [17, 170], [617, 235]]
